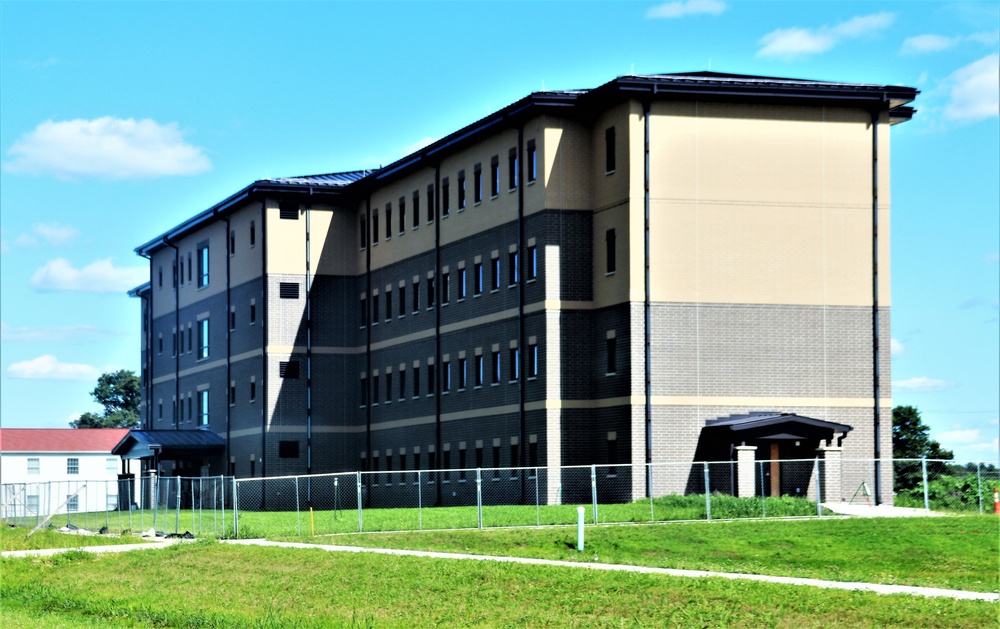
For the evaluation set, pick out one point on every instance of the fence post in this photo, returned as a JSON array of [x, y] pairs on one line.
[[106, 514], [819, 493], [708, 494], [538, 516], [298, 513], [420, 501], [177, 507], [156, 500], [979, 485], [763, 497], [593, 490], [361, 528], [222, 484], [649, 484], [479, 496], [923, 467], [128, 489], [236, 510]]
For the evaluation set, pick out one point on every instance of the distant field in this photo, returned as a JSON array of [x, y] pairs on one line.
[[214, 585]]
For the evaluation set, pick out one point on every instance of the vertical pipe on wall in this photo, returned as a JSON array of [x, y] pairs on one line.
[[437, 334], [368, 336], [875, 322], [308, 348], [265, 407], [648, 378], [521, 332], [229, 339], [177, 330]]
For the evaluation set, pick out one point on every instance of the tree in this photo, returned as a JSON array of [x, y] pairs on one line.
[[911, 440], [119, 393]]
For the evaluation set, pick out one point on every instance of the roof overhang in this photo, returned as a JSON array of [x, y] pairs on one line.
[[774, 426], [169, 444]]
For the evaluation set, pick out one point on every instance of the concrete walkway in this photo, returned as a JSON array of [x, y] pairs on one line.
[[111, 548], [880, 511], [837, 585]]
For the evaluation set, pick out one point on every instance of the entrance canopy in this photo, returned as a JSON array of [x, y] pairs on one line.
[[172, 445], [772, 425]]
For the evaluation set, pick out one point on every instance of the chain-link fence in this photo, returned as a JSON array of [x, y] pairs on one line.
[[402, 500]]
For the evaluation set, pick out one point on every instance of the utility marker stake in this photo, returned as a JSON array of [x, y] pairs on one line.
[[579, 529]]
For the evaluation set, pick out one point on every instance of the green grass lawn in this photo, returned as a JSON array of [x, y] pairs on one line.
[[15, 539], [214, 585]]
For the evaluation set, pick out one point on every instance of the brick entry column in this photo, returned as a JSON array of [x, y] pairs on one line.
[[745, 459], [832, 472]]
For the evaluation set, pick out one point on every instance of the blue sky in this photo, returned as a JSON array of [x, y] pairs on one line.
[[119, 120]]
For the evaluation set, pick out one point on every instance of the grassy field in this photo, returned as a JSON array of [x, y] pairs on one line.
[[214, 585], [955, 553], [14, 539]]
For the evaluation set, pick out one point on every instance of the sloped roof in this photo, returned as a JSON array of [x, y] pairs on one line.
[[776, 425], [60, 439], [138, 444]]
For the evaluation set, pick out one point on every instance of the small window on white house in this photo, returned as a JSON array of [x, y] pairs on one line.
[[73, 466], [111, 465], [33, 466]]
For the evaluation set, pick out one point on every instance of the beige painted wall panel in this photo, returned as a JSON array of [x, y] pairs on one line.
[[413, 241], [244, 264], [614, 288], [286, 242], [163, 295], [568, 173], [610, 188], [215, 235], [336, 253]]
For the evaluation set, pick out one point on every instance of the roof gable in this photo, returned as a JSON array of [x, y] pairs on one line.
[[101, 440]]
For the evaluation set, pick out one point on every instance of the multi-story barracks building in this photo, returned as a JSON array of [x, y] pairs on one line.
[[680, 267]]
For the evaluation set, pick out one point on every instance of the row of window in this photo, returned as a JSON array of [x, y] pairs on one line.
[[72, 465], [408, 464], [461, 286], [372, 235], [178, 268], [179, 344], [482, 367], [178, 411]]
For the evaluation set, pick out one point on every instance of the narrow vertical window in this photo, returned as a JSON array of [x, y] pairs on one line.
[[203, 407], [388, 387], [203, 339], [477, 184], [532, 262], [232, 242], [495, 175], [612, 351], [364, 391], [416, 381], [478, 278], [253, 390], [388, 221], [182, 271], [402, 300], [532, 161], [533, 453], [515, 363], [445, 287], [430, 199], [430, 293], [374, 390], [402, 215], [416, 209], [495, 280], [496, 367], [612, 454], [364, 311], [190, 266], [430, 378], [232, 394], [462, 373], [479, 370], [388, 305], [375, 228], [446, 376], [609, 247], [416, 297], [253, 312], [513, 271], [512, 173], [461, 283], [496, 458], [402, 385], [375, 309], [159, 277], [253, 233], [532, 360], [609, 149], [232, 318]]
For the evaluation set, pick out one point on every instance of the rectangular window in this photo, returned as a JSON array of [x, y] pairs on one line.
[[461, 374], [416, 297], [159, 275], [416, 380], [364, 311], [445, 287], [160, 409], [609, 251], [496, 460], [203, 406], [388, 387], [190, 336], [388, 221], [190, 412], [73, 466], [495, 175], [72, 504], [375, 390], [512, 168], [430, 379], [477, 184], [173, 278], [203, 339], [533, 454], [402, 215], [375, 227], [495, 279], [31, 503], [496, 367], [363, 232], [364, 391], [182, 271], [461, 283], [532, 360], [232, 242], [514, 461], [288, 211], [430, 293], [513, 270], [515, 363], [253, 233], [402, 300], [479, 456], [532, 161], [446, 376], [288, 369], [375, 309], [430, 200], [478, 279], [288, 449], [461, 463], [532, 262], [612, 454], [253, 390], [609, 149], [461, 190], [203, 266], [612, 350], [402, 385], [232, 318], [402, 467], [33, 466], [416, 209], [479, 370], [253, 313], [232, 395], [190, 266], [388, 305]]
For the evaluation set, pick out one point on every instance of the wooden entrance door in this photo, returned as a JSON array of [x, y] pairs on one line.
[[775, 471]]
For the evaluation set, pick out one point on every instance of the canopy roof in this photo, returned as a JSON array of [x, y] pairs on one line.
[[169, 444], [774, 425]]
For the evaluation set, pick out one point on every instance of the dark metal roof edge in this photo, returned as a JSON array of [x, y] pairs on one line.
[[142, 288]]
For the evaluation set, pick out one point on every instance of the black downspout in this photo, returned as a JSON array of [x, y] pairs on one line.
[[229, 342], [148, 340], [521, 344], [646, 310], [367, 320], [875, 340], [264, 356], [308, 351], [437, 335], [177, 333]]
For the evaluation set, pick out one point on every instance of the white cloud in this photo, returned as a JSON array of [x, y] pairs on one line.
[[52, 233], [921, 383], [48, 367], [992, 257], [987, 38], [975, 90], [986, 446], [100, 276], [670, 10], [928, 43], [896, 348], [4, 246], [789, 43], [959, 436], [109, 148], [50, 333]]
